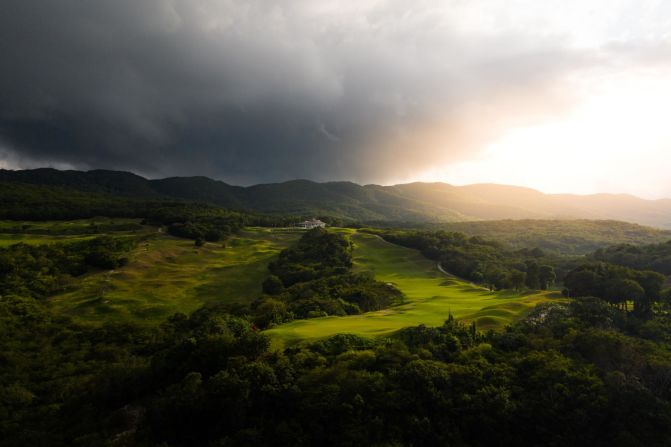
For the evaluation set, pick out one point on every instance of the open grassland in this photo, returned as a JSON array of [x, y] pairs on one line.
[[430, 297], [167, 275], [47, 232]]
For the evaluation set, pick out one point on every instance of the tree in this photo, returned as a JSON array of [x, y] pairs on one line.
[[620, 290], [546, 276], [271, 311], [665, 296], [495, 278], [651, 284], [517, 279], [273, 285], [532, 280], [582, 282]]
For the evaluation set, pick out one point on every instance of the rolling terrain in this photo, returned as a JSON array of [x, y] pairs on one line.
[[410, 203], [430, 296], [167, 275]]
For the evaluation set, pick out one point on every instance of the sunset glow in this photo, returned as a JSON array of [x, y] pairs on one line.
[[618, 132], [562, 96]]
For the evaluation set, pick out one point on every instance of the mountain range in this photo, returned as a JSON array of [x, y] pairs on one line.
[[411, 202]]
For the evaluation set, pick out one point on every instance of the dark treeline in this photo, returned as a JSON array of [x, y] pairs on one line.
[[578, 373], [567, 237], [655, 257], [313, 278], [617, 285], [42, 270], [39, 203], [484, 261], [102, 226], [31, 202]]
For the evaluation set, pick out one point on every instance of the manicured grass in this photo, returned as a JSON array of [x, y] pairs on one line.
[[171, 275], [430, 297]]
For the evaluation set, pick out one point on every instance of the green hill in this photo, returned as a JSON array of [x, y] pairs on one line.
[[167, 275], [656, 257], [411, 203], [573, 237]]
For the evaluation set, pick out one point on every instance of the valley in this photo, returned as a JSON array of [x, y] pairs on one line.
[[193, 308], [165, 275], [430, 297]]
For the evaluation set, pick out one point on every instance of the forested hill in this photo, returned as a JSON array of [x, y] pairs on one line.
[[575, 237], [655, 257], [414, 202]]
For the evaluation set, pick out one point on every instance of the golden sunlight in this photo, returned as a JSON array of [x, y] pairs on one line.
[[616, 139]]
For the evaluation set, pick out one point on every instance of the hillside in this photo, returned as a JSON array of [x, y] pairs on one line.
[[574, 237], [412, 203], [656, 257], [430, 297]]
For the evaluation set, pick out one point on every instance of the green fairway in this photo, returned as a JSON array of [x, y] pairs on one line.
[[430, 297], [171, 275]]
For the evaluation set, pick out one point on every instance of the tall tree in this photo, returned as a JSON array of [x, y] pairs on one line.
[[546, 276], [532, 280], [517, 279]]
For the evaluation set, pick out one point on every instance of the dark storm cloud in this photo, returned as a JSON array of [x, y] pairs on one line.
[[262, 90]]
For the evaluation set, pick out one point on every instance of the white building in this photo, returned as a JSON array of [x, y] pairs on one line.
[[310, 224]]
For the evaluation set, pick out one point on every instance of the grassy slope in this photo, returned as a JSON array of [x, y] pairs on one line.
[[171, 275], [36, 239], [47, 232], [430, 297]]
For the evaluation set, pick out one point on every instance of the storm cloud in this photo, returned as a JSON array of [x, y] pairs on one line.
[[266, 90]]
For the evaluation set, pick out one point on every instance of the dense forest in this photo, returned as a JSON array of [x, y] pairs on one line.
[[40, 271], [39, 203], [577, 373], [655, 257], [589, 369], [618, 285], [415, 203], [568, 237]]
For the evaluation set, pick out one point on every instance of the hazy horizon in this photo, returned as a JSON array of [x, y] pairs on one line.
[[485, 183], [558, 96]]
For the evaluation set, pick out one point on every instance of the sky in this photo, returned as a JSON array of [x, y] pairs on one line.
[[561, 96]]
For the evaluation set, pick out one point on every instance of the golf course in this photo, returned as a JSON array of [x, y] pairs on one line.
[[166, 274], [430, 296]]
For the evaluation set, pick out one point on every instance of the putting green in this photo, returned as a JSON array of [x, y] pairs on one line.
[[430, 296]]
